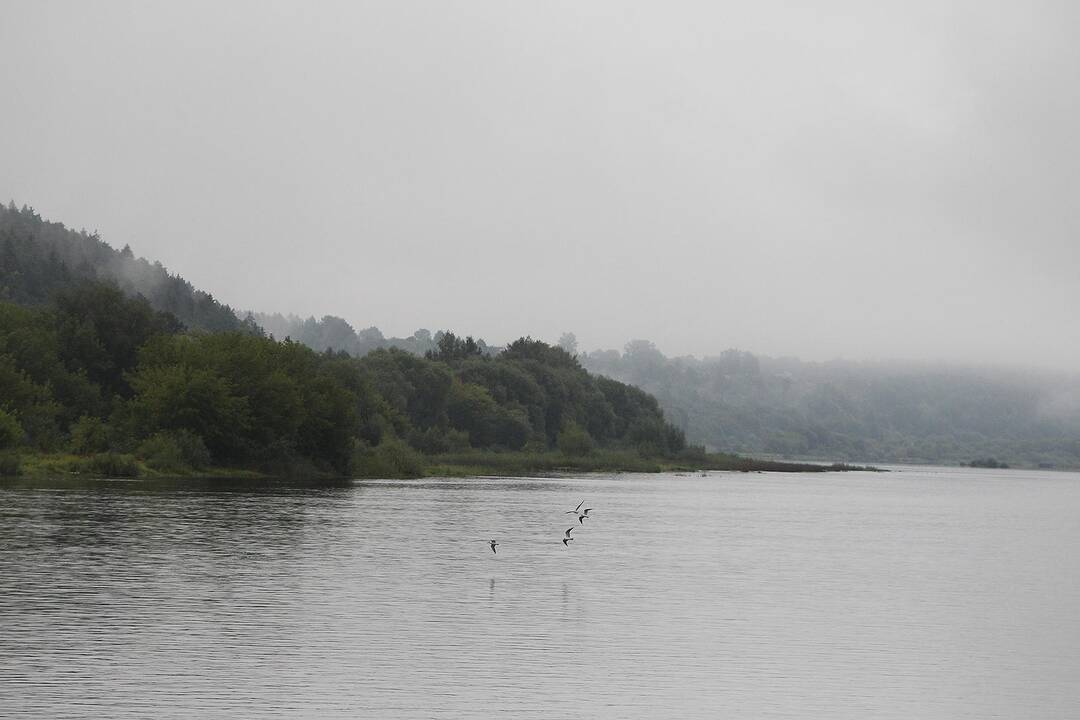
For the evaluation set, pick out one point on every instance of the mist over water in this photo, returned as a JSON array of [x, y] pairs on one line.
[[929, 593], [871, 411]]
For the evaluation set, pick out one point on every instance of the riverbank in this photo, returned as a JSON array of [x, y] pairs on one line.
[[40, 466], [522, 463]]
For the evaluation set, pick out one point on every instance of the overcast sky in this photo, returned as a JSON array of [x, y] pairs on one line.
[[858, 180]]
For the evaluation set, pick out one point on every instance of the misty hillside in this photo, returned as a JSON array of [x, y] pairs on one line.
[[97, 360], [883, 412], [737, 402], [870, 412], [39, 258]]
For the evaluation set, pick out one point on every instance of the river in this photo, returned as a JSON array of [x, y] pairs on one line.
[[919, 593]]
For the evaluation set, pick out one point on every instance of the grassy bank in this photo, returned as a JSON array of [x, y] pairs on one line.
[[524, 463], [41, 466]]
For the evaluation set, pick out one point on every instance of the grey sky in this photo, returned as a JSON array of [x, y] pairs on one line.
[[855, 179]]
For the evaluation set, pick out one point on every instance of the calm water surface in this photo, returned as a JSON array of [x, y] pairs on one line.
[[925, 593]]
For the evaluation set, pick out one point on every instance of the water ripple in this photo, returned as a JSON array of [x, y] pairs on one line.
[[920, 594]]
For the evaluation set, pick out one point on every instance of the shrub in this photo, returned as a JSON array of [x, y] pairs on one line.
[[111, 465], [175, 451], [535, 446], [89, 435], [695, 453], [457, 440], [512, 429], [574, 440], [9, 465], [391, 458], [431, 441], [11, 432]]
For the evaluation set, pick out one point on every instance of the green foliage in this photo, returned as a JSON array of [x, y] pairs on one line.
[[102, 370], [111, 465], [10, 464], [175, 451], [574, 440], [431, 441], [536, 350], [523, 395], [451, 349], [457, 440], [250, 398], [101, 331], [30, 402], [693, 454], [90, 435], [11, 432], [197, 399], [391, 458], [417, 389], [498, 462], [30, 347], [472, 409]]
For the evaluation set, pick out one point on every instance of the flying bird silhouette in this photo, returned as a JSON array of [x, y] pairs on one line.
[[492, 543], [567, 539], [575, 510]]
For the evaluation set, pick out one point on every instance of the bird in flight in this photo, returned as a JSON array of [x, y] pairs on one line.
[[583, 516], [492, 543], [575, 510], [567, 539]]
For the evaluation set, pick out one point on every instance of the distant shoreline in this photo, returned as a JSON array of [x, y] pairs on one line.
[[34, 467], [510, 464]]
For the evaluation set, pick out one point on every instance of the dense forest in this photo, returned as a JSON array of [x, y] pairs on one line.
[[38, 258], [875, 412], [97, 381]]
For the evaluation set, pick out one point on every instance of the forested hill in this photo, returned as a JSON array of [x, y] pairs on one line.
[[874, 412], [39, 258], [97, 382], [109, 364]]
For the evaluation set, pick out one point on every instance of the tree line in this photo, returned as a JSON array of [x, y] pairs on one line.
[[109, 378]]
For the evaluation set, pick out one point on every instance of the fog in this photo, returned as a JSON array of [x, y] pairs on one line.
[[856, 180]]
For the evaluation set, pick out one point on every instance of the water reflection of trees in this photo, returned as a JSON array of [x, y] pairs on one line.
[[102, 531]]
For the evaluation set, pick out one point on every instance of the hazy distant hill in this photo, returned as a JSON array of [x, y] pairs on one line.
[[737, 402], [334, 333], [879, 412], [38, 257], [872, 412]]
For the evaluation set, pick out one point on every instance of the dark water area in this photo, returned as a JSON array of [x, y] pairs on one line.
[[924, 592]]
